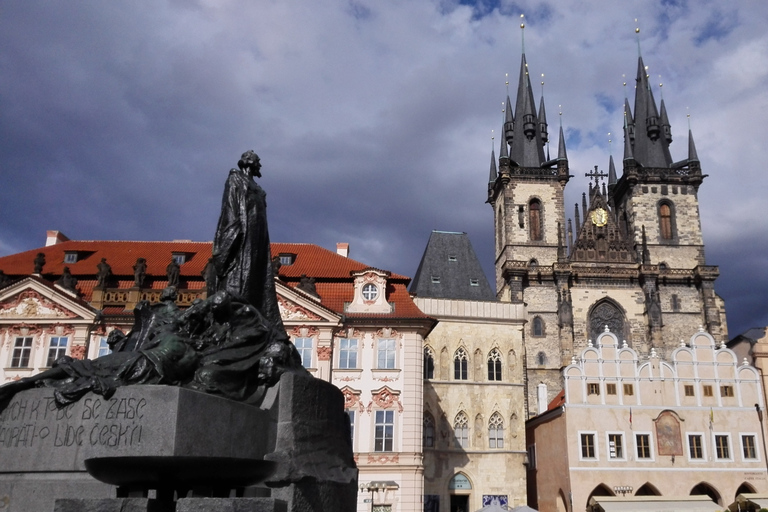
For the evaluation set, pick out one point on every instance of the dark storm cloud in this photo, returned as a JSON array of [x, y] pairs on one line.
[[373, 121]]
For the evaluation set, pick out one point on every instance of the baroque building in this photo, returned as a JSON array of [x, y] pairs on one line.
[[353, 325], [632, 257], [474, 411]]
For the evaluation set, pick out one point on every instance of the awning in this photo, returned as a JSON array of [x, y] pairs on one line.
[[653, 504], [747, 502]]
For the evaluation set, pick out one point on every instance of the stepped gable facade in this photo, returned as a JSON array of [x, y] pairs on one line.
[[631, 257]]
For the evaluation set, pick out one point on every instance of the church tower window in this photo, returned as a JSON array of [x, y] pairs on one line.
[[461, 430], [494, 365], [537, 327], [666, 221], [606, 313], [496, 432], [429, 363], [534, 220]]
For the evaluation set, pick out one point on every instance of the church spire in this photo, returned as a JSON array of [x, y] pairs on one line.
[[561, 154], [494, 173], [611, 172], [527, 148], [650, 149], [693, 156], [509, 122]]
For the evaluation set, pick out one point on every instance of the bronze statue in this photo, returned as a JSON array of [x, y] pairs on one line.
[[172, 272], [232, 344], [39, 262], [209, 275], [103, 275], [139, 272], [307, 284], [241, 250]]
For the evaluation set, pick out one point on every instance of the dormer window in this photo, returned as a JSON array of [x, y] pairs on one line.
[[179, 257], [370, 292], [287, 258], [474, 282], [436, 279], [452, 258], [70, 257]]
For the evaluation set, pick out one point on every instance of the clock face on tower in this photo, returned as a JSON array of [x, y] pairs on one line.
[[599, 217]]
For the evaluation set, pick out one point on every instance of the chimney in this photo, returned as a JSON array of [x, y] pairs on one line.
[[541, 390], [53, 237], [342, 249]]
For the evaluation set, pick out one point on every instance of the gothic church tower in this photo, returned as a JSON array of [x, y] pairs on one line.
[[634, 263]]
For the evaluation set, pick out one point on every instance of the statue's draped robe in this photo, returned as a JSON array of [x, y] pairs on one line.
[[241, 251]]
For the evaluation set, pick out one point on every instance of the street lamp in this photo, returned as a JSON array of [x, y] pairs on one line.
[[622, 489]]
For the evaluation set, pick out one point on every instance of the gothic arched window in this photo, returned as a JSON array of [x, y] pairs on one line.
[[666, 221], [460, 363], [534, 220], [429, 431], [606, 313], [494, 365], [541, 358], [537, 327], [429, 363], [461, 430], [496, 432]]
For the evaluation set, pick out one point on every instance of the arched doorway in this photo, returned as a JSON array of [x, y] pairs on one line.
[[704, 489], [460, 489], [745, 488], [600, 490], [647, 490]]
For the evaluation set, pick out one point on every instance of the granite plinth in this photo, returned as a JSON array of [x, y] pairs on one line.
[[230, 505], [111, 505], [136, 421]]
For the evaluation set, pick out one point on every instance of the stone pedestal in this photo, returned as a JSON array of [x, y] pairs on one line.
[[111, 505]]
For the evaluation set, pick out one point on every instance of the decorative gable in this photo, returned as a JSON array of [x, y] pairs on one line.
[[600, 238], [297, 307], [370, 292], [31, 300]]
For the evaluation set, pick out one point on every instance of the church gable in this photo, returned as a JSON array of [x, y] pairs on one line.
[[600, 239]]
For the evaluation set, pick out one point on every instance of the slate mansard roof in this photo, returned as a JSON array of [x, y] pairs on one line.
[[332, 272], [449, 269]]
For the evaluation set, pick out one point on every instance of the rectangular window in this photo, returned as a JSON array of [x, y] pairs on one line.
[[304, 348], [474, 282], [616, 446], [56, 349], [287, 259], [629, 389], [384, 431], [531, 457], [643, 442], [452, 258], [707, 390], [435, 279], [22, 348], [103, 347], [348, 353], [610, 389], [70, 257], [722, 451], [748, 446], [351, 413], [726, 390], [588, 446], [386, 354], [695, 447], [593, 389], [381, 508], [689, 390], [179, 257]]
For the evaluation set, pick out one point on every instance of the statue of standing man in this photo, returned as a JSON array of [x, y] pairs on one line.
[[241, 250]]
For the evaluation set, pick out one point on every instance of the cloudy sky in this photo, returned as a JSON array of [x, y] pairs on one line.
[[373, 119]]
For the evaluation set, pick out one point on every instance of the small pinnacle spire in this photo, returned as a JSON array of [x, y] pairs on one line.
[[493, 174], [627, 138], [577, 217], [665, 128], [560, 246], [509, 122], [503, 151], [584, 201], [611, 172], [570, 234], [543, 121], [561, 154], [693, 156]]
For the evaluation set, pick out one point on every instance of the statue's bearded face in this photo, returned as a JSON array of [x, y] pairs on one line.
[[251, 161]]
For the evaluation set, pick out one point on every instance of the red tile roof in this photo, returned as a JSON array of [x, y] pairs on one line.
[[331, 270], [558, 401]]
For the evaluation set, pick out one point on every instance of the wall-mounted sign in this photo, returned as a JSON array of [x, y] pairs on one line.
[[459, 482]]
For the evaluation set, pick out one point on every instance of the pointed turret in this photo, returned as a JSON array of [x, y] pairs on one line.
[[561, 154], [584, 201], [509, 122], [527, 149], [543, 122], [629, 121], [693, 156], [503, 151], [494, 173], [666, 130], [578, 218], [628, 139], [611, 172]]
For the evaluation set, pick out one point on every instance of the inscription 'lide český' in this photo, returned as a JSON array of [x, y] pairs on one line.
[[113, 423]]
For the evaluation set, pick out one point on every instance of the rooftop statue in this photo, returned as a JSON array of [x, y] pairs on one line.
[[232, 344]]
